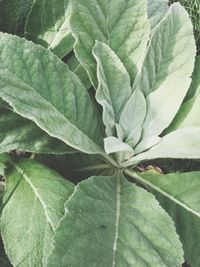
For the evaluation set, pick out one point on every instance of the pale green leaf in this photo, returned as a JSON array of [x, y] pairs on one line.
[[182, 203], [146, 144], [114, 87], [183, 143], [111, 222], [122, 24], [156, 11], [132, 117], [32, 212], [189, 113], [13, 15], [195, 85], [17, 133], [41, 88], [168, 65], [48, 25], [115, 145], [187, 116]]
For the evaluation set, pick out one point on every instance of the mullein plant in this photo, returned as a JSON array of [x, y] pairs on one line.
[[126, 93]]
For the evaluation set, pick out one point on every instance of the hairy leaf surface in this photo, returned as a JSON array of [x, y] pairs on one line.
[[122, 24], [156, 11], [114, 85], [17, 133], [62, 106], [48, 25], [183, 143], [168, 65], [182, 204], [132, 117], [189, 113], [33, 211], [101, 214]]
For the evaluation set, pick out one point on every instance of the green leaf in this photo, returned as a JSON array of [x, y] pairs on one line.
[[115, 145], [182, 203], [48, 25], [147, 143], [168, 65], [156, 11], [132, 117], [114, 87], [116, 223], [183, 143], [42, 89], [188, 115], [77, 166], [195, 85], [17, 133], [122, 24], [13, 15], [32, 212], [74, 65]]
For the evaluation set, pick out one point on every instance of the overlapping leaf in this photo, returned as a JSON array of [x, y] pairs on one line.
[[156, 10], [168, 65], [121, 24], [182, 203], [62, 107], [183, 143], [13, 15], [189, 113], [48, 25], [114, 87], [17, 133], [36, 204], [101, 214]]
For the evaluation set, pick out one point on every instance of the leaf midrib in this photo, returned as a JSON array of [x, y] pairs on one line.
[[49, 103], [34, 189], [141, 180], [118, 199]]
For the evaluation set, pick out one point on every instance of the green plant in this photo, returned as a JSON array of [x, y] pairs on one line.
[[193, 8], [126, 98]]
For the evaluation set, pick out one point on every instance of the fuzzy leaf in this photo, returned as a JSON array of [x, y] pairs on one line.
[[156, 11], [189, 113], [114, 87], [132, 117], [168, 65], [17, 133], [195, 85], [122, 24], [62, 106], [183, 143], [48, 25], [115, 145], [101, 214], [32, 212], [182, 203]]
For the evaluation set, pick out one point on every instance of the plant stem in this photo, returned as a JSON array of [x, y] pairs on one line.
[[142, 181], [93, 168]]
